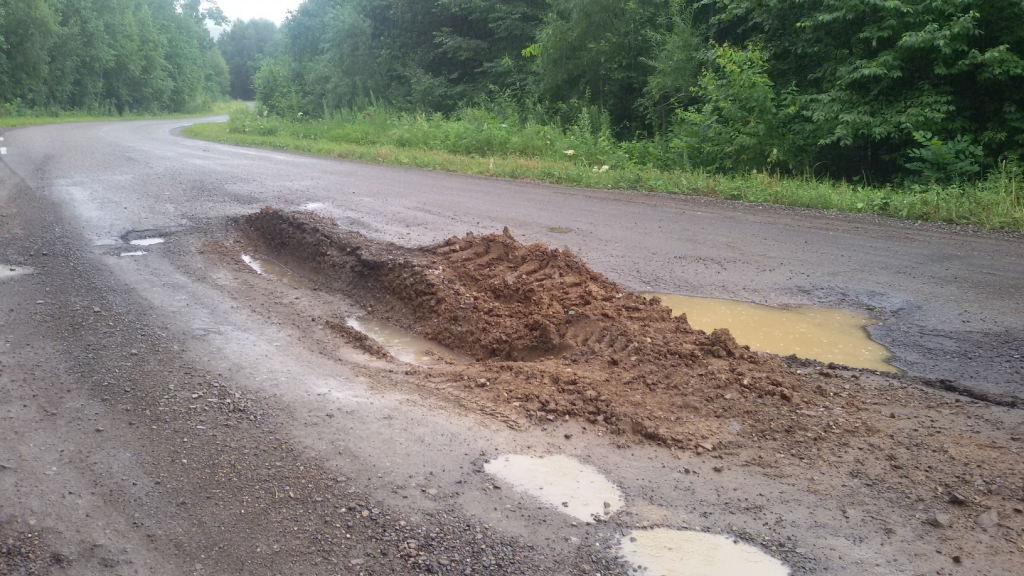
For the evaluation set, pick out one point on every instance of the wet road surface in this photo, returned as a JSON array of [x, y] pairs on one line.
[[76, 195]]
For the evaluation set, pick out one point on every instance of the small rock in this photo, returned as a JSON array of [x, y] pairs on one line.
[[565, 504], [607, 505], [356, 562], [707, 446], [96, 310], [507, 232], [956, 559], [988, 519], [432, 491], [496, 486], [939, 520], [99, 429], [957, 498], [134, 352], [718, 468]]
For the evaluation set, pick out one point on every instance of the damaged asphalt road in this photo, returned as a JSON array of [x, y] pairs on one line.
[[172, 413]]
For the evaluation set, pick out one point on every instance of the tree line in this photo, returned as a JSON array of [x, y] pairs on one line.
[[109, 56], [911, 90]]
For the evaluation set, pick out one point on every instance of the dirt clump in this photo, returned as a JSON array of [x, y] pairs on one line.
[[552, 337]]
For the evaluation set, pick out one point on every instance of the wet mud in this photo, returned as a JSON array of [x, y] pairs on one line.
[[551, 337]]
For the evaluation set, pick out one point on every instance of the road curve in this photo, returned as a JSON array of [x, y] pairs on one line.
[[174, 413], [949, 298]]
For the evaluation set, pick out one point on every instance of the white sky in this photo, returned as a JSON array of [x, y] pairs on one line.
[[273, 10]]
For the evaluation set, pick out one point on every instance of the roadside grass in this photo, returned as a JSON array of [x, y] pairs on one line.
[[33, 118], [480, 143]]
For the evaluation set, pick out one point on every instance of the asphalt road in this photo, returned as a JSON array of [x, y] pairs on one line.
[[324, 466], [950, 298]]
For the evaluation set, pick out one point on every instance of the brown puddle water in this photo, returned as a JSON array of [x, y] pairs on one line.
[[822, 334], [404, 345], [560, 230], [275, 270], [7, 271]]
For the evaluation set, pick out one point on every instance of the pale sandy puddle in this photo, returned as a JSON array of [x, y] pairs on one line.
[[404, 345], [8, 271], [822, 334], [560, 482], [275, 270], [560, 230], [136, 253], [147, 241], [663, 552]]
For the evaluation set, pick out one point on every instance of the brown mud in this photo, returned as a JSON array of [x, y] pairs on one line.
[[555, 341], [550, 335]]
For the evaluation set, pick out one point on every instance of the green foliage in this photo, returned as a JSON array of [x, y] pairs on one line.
[[243, 46], [108, 55], [738, 126], [488, 143], [874, 73], [601, 50], [942, 161]]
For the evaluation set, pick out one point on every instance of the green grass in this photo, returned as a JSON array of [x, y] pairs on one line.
[[31, 118], [479, 143]]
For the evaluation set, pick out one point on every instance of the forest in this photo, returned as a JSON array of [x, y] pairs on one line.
[[915, 96], [880, 90], [109, 57]]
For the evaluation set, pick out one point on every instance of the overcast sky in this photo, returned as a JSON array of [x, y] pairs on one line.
[[274, 10]]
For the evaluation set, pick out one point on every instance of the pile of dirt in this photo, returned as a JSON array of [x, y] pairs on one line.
[[551, 336]]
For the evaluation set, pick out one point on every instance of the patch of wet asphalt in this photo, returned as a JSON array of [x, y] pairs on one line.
[[173, 468], [252, 444], [935, 288]]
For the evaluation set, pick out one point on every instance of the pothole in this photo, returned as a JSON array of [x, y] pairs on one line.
[[146, 241], [273, 269], [8, 271], [551, 337], [663, 552], [823, 334], [406, 346], [560, 482]]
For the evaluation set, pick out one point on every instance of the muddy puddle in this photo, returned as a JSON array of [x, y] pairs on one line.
[[821, 334], [561, 482], [147, 241], [276, 271], [404, 345], [663, 552], [8, 271]]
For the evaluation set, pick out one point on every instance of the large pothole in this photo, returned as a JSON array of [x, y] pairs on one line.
[[551, 337]]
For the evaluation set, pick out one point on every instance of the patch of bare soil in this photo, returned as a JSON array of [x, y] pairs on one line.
[[551, 336], [555, 340]]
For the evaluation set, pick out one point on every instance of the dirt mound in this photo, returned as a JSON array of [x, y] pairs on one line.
[[551, 336]]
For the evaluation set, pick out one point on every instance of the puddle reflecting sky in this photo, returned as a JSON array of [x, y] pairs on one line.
[[404, 345], [561, 482], [147, 241], [8, 271], [822, 334], [275, 270], [663, 552]]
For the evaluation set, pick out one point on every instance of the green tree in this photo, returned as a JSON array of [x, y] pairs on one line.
[[243, 45]]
